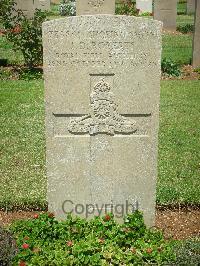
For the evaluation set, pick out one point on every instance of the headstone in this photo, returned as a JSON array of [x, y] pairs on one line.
[[144, 6], [166, 11], [94, 7], [44, 5], [190, 6], [102, 81], [196, 41], [27, 7], [121, 1], [56, 2]]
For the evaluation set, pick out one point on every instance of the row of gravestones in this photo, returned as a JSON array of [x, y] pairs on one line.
[[165, 11], [147, 5]]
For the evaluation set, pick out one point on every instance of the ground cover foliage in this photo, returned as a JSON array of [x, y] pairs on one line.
[[100, 241]]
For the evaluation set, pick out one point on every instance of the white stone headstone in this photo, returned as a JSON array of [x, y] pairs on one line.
[[102, 82], [94, 7], [44, 5], [196, 41], [27, 7], [166, 11], [190, 6], [144, 6], [56, 1]]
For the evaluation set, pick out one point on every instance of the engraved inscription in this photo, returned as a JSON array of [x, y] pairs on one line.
[[96, 60], [96, 3], [104, 117], [99, 48]]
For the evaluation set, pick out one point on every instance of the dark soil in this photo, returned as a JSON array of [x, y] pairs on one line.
[[179, 224]]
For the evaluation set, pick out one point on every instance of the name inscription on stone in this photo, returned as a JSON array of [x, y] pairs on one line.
[[107, 49], [96, 3]]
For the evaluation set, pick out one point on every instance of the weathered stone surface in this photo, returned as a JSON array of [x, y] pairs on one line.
[[55, 1], [121, 1], [190, 6], [102, 80], [166, 11], [93, 7], [44, 5], [26, 6], [144, 5], [196, 41]]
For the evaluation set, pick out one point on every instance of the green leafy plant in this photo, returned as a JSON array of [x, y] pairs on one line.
[[67, 8], [197, 70], [100, 241], [6, 7], [20, 73], [127, 8], [146, 14], [30, 74], [170, 68], [25, 34], [187, 28], [182, 12], [8, 247]]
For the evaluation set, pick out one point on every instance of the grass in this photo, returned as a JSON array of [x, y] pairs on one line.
[[7, 52], [182, 7], [178, 48], [22, 143], [54, 12], [185, 19], [179, 160], [23, 180]]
